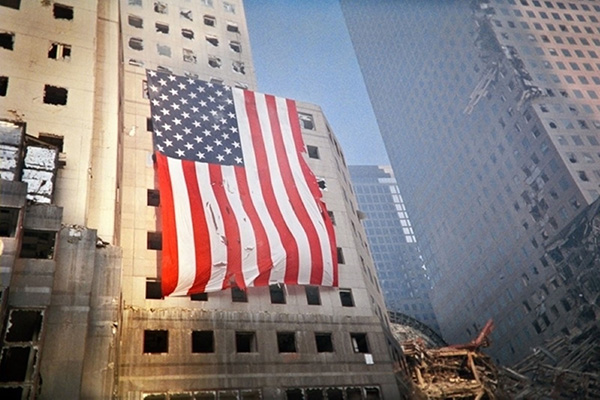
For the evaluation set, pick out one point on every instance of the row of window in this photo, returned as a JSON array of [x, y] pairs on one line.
[[57, 51], [549, 4], [52, 94], [162, 7], [157, 341], [549, 27], [277, 293], [59, 11], [556, 16]]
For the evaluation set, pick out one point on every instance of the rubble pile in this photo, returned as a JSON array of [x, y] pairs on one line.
[[565, 368]]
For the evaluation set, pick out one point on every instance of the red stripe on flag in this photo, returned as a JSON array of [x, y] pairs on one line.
[[288, 240], [232, 232], [170, 262], [263, 249], [316, 256], [201, 235]]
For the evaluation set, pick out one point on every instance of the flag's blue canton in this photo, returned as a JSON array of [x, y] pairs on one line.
[[194, 120]]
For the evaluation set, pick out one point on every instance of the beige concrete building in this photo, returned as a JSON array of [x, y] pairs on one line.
[[80, 225]]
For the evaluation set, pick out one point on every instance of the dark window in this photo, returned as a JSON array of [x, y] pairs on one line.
[[53, 140], [162, 28], [16, 4], [213, 40], [235, 46], [24, 326], [199, 297], [286, 342], [136, 43], [313, 151], [346, 297], [294, 394], [161, 7], [187, 33], [13, 364], [359, 342], [8, 221], [37, 244], [154, 241], [245, 342], [209, 20], [277, 294], [334, 394], [340, 256], [7, 40], [306, 121], [156, 341], [135, 21], [55, 95], [3, 85], [149, 124], [324, 342], [314, 394], [233, 28], [372, 393], [238, 295], [59, 51], [203, 342], [331, 216], [153, 289], [313, 297], [63, 12], [153, 197]]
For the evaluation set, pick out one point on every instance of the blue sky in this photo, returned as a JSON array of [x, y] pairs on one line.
[[302, 50]]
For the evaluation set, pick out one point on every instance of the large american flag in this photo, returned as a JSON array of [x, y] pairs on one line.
[[240, 206]]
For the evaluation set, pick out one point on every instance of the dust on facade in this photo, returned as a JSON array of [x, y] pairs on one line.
[[82, 311]]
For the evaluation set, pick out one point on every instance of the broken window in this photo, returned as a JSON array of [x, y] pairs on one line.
[[61, 11], [186, 14], [199, 297], [313, 151], [37, 244], [14, 362], [154, 241], [238, 295], [9, 218], [313, 297], [214, 62], [7, 40], [136, 63], [235, 46], [245, 342], [156, 341], [189, 56], [187, 33], [24, 326], [213, 40], [162, 28], [322, 184], [359, 342], [16, 4], [59, 51], [331, 216], [55, 95], [153, 197], [583, 176], [228, 7], [153, 289], [203, 341], [346, 298], [3, 85], [277, 293], [135, 21], [161, 7], [340, 255], [238, 67], [324, 342], [209, 20], [136, 43], [163, 50], [306, 121], [231, 27], [286, 342]]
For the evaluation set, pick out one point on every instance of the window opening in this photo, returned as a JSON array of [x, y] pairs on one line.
[[199, 297], [37, 244], [306, 121], [209, 20], [239, 67], [232, 28], [136, 43], [24, 326], [135, 21], [277, 293], [156, 341], [213, 40], [187, 33], [286, 342], [9, 218], [163, 50], [15, 4], [162, 28], [324, 342], [13, 363], [238, 295], [153, 289], [313, 151], [214, 62], [154, 240], [203, 341], [235, 46], [228, 7], [3, 85], [153, 197], [346, 298], [313, 297], [340, 256], [245, 342], [186, 14], [62, 12], [161, 7], [59, 51], [7, 40], [359, 342], [189, 56]]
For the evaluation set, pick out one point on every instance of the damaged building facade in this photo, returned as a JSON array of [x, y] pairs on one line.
[[82, 313], [493, 133]]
